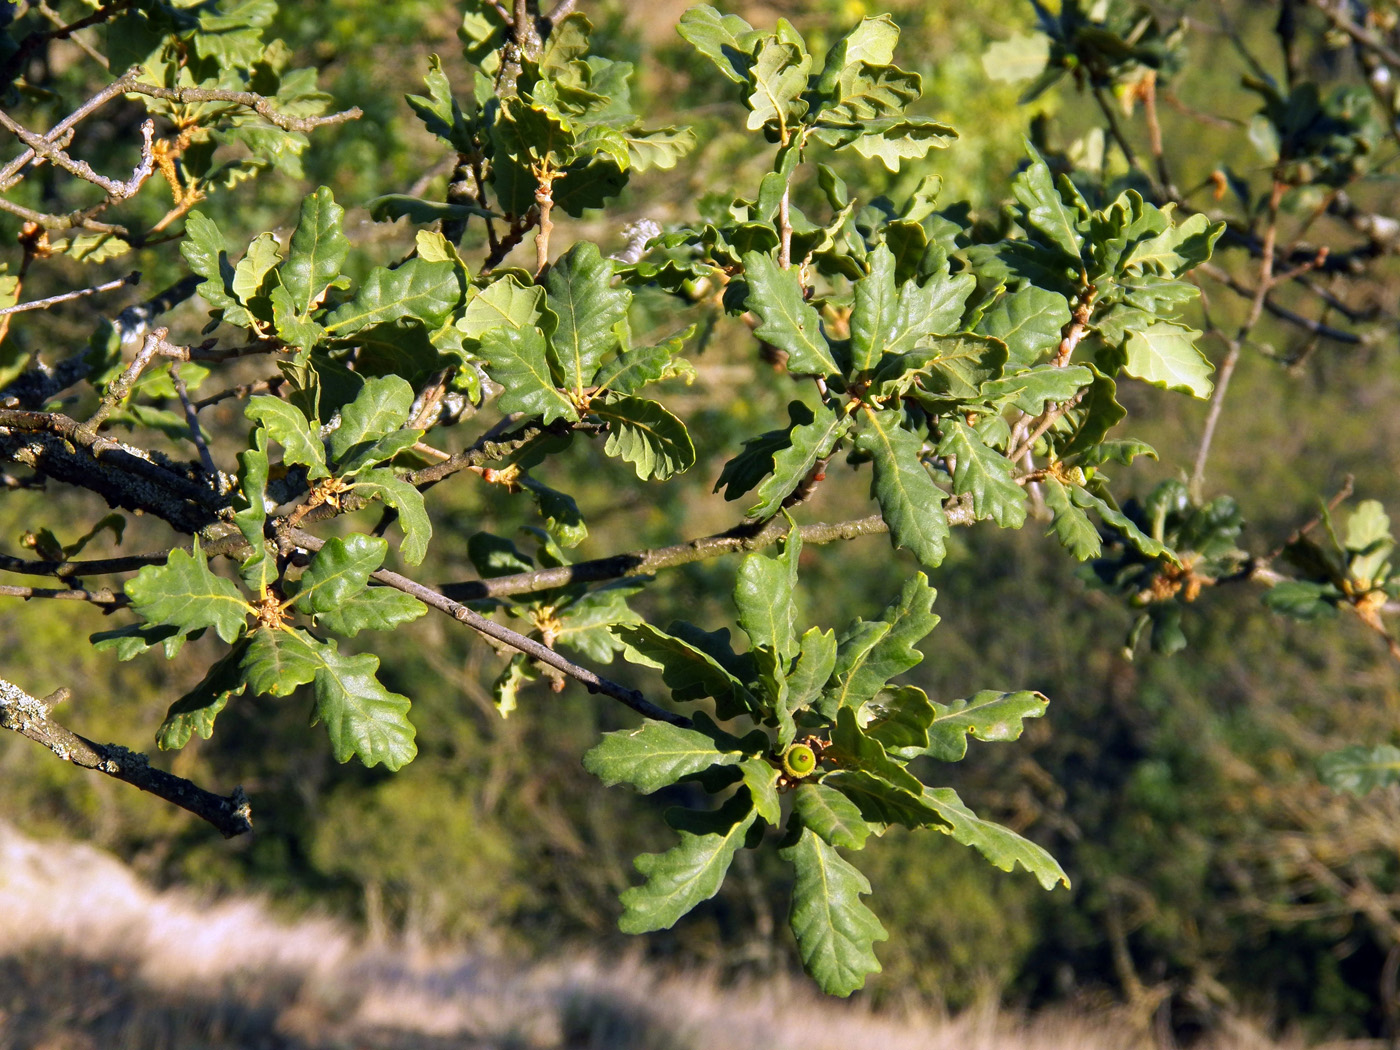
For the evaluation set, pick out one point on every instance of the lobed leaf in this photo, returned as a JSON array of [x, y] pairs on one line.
[[910, 502], [835, 931], [184, 593], [643, 433], [408, 501], [989, 715], [831, 815], [1000, 845], [690, 872], [985, 474], [656, 755], [581, 296], [518, 360], [788, 321], [196, 710], [316, 253], [289, 427]]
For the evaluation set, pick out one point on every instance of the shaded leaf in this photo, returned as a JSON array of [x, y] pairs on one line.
[[689, 872], [196, 710]]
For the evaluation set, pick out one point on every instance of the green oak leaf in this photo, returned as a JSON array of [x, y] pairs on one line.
[[338, 572], [875, 312], [690, 872], [789, 322], [373, 609], [808, 444], [984, 473], [726, 40], [1029, 321], [835, 931], [581, 296], [831, 815], [289, 427], [778, 77], [361, 716], [761, 778], [1165, 354], [1000, 845], [851, 748], [277, 661], [688, 671], [899, 718], [418, 290], [911, 504], [1046, 212], [870, 653], [205, 249], [184, 593], [502, 303], [656, 755], [764, 596], [196, 710], [989, 715], [518, 359], [408, 501], [643, 433], [316, 253], [380, 408], [1071, 525]]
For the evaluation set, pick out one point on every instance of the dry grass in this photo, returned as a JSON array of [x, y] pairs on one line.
[[91, 957]]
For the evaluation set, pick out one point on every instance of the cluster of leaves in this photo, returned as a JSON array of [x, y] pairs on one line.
[[831, 730], [944, 363], [1103, 46], [1203, 545], [548, 121], [971, 369], [184, 597]]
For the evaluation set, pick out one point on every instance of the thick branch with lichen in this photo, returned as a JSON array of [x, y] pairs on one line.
[[29, 717]]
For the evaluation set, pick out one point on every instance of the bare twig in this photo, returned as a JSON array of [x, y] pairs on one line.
[[741, 538], [129, 83], [473, 619], [1267, 281], [115, 189], [75, 570], [121, 386], [29, 716], [105, 597], [192, 418], [133, 277]]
